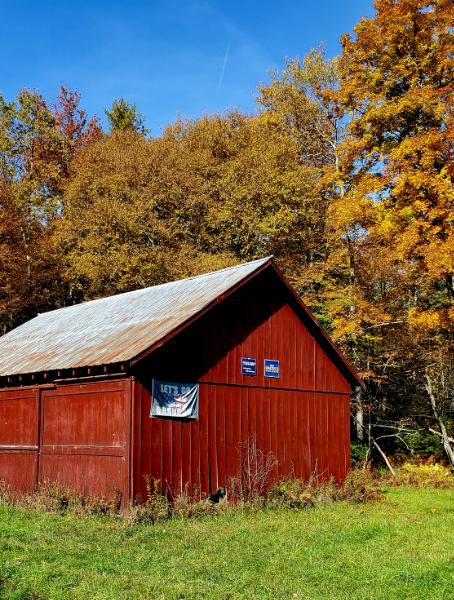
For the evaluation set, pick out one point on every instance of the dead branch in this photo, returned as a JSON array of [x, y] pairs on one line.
[[443, 432]]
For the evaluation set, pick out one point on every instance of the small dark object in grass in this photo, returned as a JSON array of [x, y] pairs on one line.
[[220, 494]]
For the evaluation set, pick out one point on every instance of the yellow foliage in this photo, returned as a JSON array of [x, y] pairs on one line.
[[428, 320]]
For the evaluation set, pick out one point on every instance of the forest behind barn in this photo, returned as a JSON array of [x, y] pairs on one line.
[[343, 173]]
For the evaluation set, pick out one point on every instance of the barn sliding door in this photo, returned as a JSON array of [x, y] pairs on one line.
[[85, 438], [19, 438]]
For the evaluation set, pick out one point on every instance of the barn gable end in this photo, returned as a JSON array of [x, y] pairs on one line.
[[301, 418]]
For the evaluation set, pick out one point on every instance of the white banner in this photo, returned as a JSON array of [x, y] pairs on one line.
[[177, 400]]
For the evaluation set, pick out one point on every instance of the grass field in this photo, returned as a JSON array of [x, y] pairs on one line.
[[401, 548]]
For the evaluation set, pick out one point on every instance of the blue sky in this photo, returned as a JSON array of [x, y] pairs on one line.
[[170, 58]]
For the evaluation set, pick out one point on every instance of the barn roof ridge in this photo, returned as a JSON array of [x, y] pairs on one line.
[[137, 291]]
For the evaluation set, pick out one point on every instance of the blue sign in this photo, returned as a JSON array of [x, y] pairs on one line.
[[248, 366], [272, 368]]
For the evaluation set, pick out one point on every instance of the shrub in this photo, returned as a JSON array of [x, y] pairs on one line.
[[255, 478], [422, 443], [426, 474], [360, 486], [155, 508], [358, 453], [51, 497]]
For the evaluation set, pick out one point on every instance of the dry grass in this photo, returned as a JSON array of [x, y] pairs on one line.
[[250, 493], [295, 494]]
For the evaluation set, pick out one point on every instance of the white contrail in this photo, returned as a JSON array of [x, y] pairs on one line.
[[224, 64]]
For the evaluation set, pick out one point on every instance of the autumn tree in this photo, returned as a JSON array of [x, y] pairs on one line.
[[208, 192], [392, 303], [37, 144], [131, 216], [300, 100]]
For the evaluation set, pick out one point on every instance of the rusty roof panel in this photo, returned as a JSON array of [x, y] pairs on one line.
[[114, 329]]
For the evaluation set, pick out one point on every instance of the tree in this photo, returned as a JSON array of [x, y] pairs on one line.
[[299, 102], [392, 299], [132, 210], [73, 124], [37, 145], [123, 116], [210, 192]]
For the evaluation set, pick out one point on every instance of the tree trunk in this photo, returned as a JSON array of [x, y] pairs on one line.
[[359, 415], [444, 434]]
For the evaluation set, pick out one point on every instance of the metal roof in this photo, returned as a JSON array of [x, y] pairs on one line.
[[115, 329]]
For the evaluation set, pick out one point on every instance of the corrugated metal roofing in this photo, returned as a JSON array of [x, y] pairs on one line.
[[114, 329]]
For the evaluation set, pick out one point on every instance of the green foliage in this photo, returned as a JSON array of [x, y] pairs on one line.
[[123, 116], [358, 453], [422, 443]]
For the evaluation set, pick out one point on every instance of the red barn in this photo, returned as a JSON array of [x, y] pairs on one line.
[[173, 382]]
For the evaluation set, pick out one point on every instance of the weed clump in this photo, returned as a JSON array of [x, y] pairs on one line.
[[360, 486], [50, 497], [427, 474]]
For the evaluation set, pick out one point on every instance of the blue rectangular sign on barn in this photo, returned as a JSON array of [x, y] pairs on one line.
[[248, 366], [272, 368]]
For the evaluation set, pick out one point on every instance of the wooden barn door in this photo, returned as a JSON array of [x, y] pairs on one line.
[[85, 438], [19, 438]]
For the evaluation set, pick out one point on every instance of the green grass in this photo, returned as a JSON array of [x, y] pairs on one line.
[[401, 548]]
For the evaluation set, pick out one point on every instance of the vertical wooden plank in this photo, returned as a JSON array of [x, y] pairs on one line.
[[320, 440], [186, 456], [220, 428], [290, 398], [152, 451], [203, 437], [289, 353], [244, 396], [136, 459], [267, 419], [166, 426], [312, 425], [195, 455], [274, 427], [345, 402], [306, 445], [333, 439], [294, 435], [212, 440], [177, 488], [252, 417], [236, 433]]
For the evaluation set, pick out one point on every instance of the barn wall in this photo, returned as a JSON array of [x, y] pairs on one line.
[[302, 417], [76, 435], [306, 432]]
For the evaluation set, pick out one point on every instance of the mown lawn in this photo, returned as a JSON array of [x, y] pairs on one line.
[[402, 548]]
